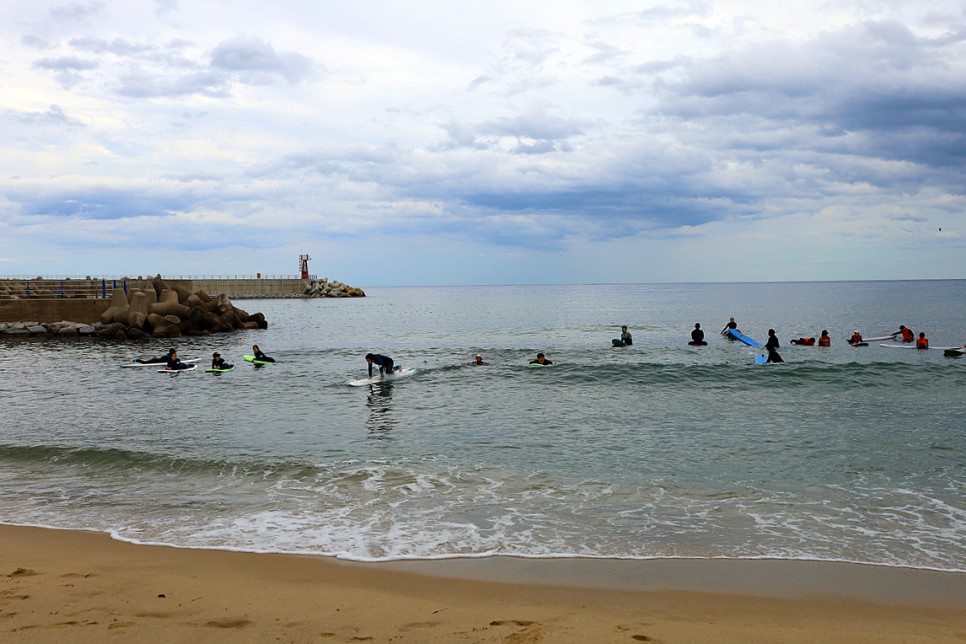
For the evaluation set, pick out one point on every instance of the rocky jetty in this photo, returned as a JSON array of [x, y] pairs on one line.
[[63, 328], [325, 288], [153, 309]]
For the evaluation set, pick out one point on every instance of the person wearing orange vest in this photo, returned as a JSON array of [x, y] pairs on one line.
[[824, 340], [922, 342], [856, 337], [906, 332]]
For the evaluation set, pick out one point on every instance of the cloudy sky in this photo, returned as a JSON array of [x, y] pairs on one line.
[[442, 142]]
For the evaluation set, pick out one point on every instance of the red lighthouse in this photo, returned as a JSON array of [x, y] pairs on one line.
[[304, 266]]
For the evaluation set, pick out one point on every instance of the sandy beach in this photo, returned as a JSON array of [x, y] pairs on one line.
[[62, 586]]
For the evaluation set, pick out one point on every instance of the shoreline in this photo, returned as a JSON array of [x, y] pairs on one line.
[[84, 586]]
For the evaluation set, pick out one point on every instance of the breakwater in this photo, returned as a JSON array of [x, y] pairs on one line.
[[84, 299]]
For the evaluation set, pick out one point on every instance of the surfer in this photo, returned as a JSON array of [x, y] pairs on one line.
[[773, 355], [158, 360], [731, 325], [906, 333], [385, 363], [856, 337], [824, 340], [478, 361], [805, 342], [922, 342], [626, 336], [541, 360], [217, 362], [772, 344], [261, 357], [697, 336], [174, 363]]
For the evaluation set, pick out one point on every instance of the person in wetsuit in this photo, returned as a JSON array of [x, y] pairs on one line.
[[385, 363], [261, 357], [174, 363], [217, 362], [906, 333], [541, 360], [731, 325], [626, 336], [697, 336], [158, 360]]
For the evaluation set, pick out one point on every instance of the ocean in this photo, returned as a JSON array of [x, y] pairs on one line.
[[658, 450]]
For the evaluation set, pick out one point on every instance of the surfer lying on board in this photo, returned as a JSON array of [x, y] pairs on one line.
[[174, 362], [217, 362], [158, 360], [541, 359], [385, 363], [697, 336], [805, 342], [261, 357]]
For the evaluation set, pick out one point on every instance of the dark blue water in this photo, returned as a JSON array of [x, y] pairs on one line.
[[655, 450]]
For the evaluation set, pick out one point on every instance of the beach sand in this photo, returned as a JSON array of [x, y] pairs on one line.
[[59, 586]]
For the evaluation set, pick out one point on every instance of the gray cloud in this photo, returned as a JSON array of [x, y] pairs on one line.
[[254, 59]]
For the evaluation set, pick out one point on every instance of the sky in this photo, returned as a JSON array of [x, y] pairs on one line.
[[436, 142]]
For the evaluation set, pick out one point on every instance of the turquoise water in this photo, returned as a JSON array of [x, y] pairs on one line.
[[655, 450]]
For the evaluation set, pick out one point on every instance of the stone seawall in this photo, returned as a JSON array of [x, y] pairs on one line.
[[243, 288], [83, 300], [52, 310]]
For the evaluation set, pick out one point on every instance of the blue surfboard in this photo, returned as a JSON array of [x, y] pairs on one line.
[[741, 337]]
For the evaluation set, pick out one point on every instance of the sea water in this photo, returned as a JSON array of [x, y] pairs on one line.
[[649, 451]]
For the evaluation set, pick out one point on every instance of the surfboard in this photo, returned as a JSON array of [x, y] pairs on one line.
[[954, 353], [175, 371], [741, 337], [761, 358], [881, 338], [210, 370], [133, 364], [250, 358], [859, 344], [396, 375], [617, 342], [913, 346]]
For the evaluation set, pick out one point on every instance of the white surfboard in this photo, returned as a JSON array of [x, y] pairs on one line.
[[880, 338], [396, 375], [177, 371], [130, 365], [911, 346]]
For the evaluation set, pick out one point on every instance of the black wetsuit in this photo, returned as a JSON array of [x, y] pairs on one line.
[[772, 343], [175, 363], [697, 337], [261, 357], [219, 363], [386, 364]]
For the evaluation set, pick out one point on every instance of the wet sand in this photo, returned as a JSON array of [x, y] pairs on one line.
[[58, 586]]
